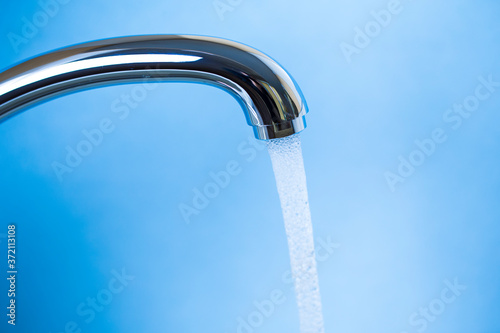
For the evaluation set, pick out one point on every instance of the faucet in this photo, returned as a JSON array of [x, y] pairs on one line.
[[273, 103]]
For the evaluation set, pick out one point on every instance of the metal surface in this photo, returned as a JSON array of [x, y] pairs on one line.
[[273, 103]]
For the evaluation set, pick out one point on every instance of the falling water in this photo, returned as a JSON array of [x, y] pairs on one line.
[[288, 166]]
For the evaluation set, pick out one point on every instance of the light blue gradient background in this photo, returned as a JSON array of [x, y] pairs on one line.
[[119, 208]]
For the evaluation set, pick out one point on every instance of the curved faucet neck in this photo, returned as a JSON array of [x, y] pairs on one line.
[[273, 103]]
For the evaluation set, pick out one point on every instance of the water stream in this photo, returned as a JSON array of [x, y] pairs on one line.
[[288, 166]]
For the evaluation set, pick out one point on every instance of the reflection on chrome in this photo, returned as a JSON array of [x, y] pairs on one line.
[[273, 103]]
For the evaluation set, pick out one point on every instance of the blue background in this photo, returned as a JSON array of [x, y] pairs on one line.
[[119, 209]]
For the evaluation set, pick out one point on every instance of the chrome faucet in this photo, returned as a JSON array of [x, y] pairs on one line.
[[273, 103]]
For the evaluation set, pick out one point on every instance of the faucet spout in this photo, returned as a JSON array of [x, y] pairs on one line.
[[273, 103]]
